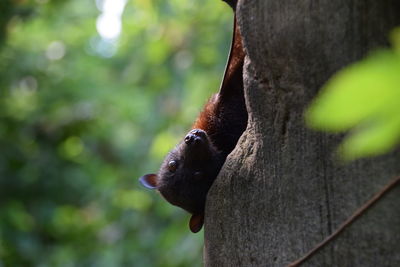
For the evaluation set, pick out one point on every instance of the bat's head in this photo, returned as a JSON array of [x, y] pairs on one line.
[[186, 175]]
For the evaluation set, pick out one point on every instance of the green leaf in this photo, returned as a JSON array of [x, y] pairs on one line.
[[377, 138], [365, 95]]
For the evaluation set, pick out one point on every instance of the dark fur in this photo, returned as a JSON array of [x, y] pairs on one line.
[[201, 154], [198, 163]]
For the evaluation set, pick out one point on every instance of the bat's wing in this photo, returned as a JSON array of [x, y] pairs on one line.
[[232, 3], [233, 76]]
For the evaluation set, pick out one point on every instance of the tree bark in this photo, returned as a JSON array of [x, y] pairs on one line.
[[282, 191]]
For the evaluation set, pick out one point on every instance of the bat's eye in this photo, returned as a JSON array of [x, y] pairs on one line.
[[198, 175], [172, 165]]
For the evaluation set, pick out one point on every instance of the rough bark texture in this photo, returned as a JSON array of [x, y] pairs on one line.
[[281, 191]]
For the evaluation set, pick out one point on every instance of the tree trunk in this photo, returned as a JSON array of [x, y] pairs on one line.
[[282, 191]]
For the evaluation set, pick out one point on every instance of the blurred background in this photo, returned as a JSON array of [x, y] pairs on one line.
[[92, 96]]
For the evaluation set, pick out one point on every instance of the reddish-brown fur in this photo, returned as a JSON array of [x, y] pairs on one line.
[[209, 110], [222, 121], [224, 116]]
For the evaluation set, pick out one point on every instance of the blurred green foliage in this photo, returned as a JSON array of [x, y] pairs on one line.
[[83, 116], [364, 98]]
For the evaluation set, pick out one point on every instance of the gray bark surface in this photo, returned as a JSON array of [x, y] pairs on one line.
[[282, 191]]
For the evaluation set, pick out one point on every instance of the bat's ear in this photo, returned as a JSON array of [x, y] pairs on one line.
[[196, 222], [149, 181]]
